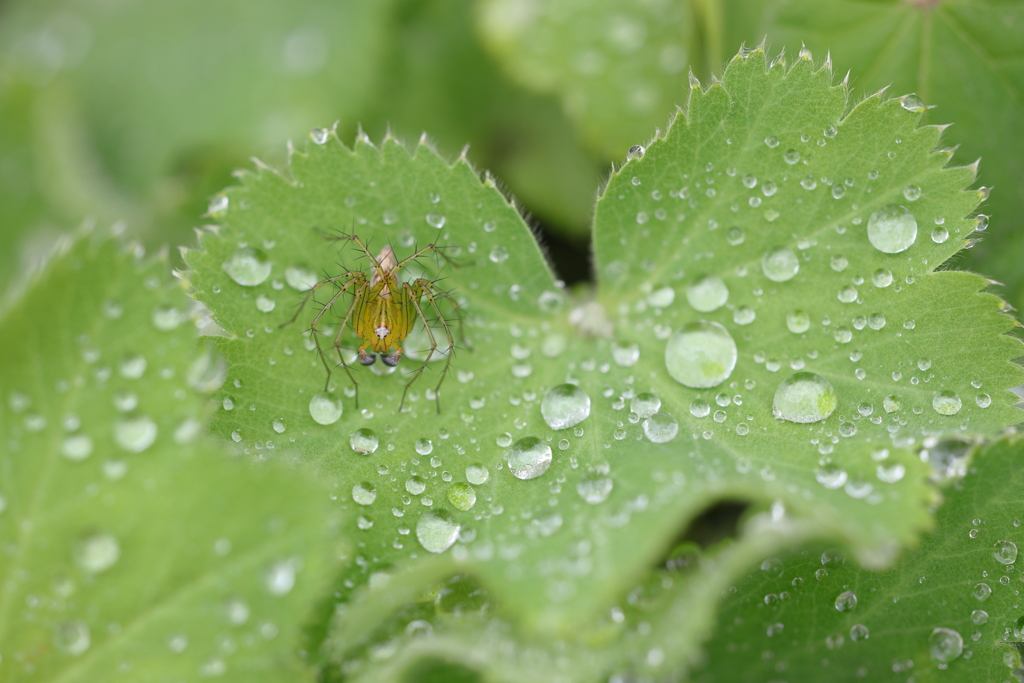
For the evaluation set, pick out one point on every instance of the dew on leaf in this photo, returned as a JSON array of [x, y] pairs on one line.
[[264, 304], [735, 236], [248, 267], [780, 264], [881, 278], [645, 404], [595, 485], [135, 434], [71, 637], [435, 220], [76, 447], [206, 374], [280, 577], [436, 531], [97, 552], [363, 441], [982, 591], [424, 446], [798, 322], [499, 254], [892, 229], [660, 428], [946, 403], [133, 366], [1005, 552], [462, 496], [364, 493], [700, 355], [324, 408], [167, 318], [803, 398], [744, 315], [830, 476], [912, 193], [662, 297], [890, 474], [699, 408], [625, 355], [415, 485], [846, 601], [564, 406], [707, 294], [529, 458], [983, 400], [839, 263], [300, 278], [859, 632], [945, 644], [940, 235], [477, 474]]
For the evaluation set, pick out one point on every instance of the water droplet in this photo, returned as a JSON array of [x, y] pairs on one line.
[[945, 644], [625, 355], [363, 441], [699, 408], [780, 265], [798, 322], [319, 135], [848, 294], [830, 476], [133, 366], [890, 474], [324, 408], [71, 637], [415, 485], [707, 294], [644, 405], [462, 496], [1005, 552], [635, 152], [499, 254], [744, 315], [771, 141], [206, 374], [846, 601], [564, 406], [946, 403], [660, 428], [477, 474], [248, 267], [983, 400], [809, 182], [913, 103], [804, 397], [940, 235], [700, 355], [364, 493], [859, 632], [735, 236], [436, 531], [167, 318], [96, 552], [135, 434], [424, 446], [595, 485], [982, 591], [979, 616], [791, 156], [528, 458], [300, 278], [76, 447], [881, 278], [264, 304], [892, 229], [839, 263]]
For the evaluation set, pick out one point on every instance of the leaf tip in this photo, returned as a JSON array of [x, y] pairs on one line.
[[694, 83]]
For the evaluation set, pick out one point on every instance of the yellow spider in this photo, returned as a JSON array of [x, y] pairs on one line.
[[384, 311]]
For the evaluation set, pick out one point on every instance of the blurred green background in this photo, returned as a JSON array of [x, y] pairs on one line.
[[138, 111]]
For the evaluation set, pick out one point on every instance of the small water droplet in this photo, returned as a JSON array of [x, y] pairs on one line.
[[940, 235], [477, 474], [859, 632], [881, 278], [946, 403], [831, 477], [167, 318], [839, 263], [804, 397], [499, 254], [912, 103], [436, 220], [324, 408], [248, 267], [635, 152], [135, 434], [892, 229], [700, 355], [364, 493], [735, 236], [319, 135], [660, 428], [595, 485], [982, 591], [528, 458], [625, 355], [71, 637], [798, 322], [462, 496], [846, 601], [791, 156], [300, 278], [436, 531], [76, 447], [780, 265], [707, 294], [206, 374], [564, 406], [97, 552], [363, 441], [644, 405]]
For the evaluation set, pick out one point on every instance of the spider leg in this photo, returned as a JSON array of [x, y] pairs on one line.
[[420, 288], [351, 275]]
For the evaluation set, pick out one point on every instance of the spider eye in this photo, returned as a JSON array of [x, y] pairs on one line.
[[369, 358], [391, 359]]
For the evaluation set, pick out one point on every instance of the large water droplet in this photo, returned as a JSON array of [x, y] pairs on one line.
[[892, 229], [946, 403], [945, 644], [804, 397], [477, 474], [363, 441], [96, 552], [135, 434], [780, 265], [595, 485], [660, 428], [324, 408], [564, 406], [798, 322], [300, 278], [700, 355], [707, 294], [1005, 552], [436, 531], [529, 458], [248, 267], [645, 404], [462, 496]]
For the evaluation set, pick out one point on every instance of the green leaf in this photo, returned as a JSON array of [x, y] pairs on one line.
[[615, 66], [557, 552], [130, 545], [960, 581], [964, 58]]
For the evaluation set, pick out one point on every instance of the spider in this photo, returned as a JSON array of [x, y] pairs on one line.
[[384, 311]]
